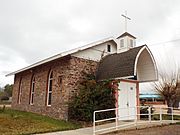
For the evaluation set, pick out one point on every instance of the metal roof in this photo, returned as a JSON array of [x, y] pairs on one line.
[[150, 96], [126, 34], [62, 55], [118, 65]]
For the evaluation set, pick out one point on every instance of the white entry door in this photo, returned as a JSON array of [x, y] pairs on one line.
[[127, 101]]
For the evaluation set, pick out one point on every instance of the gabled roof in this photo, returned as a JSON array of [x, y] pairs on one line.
[[62, 55], [122, 65], [126, 34]]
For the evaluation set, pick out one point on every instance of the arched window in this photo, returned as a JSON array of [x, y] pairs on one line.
[[49, 91], [32, 91], [20, 91]]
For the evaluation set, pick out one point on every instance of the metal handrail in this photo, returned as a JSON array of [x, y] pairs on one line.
[[136, 119]]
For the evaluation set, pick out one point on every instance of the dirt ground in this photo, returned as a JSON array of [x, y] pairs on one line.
[[165, 130]]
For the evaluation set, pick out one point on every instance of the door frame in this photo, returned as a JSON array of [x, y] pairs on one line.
[[137, 95]]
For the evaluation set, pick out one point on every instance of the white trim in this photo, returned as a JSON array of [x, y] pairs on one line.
[[20, 92], [49, 79], [125, 77], [148, 81], [152, 58], [32, 91], [129, 80], [63, 54], [137, 58], [108, 48]]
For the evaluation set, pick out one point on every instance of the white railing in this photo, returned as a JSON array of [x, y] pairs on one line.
[[116, 120]]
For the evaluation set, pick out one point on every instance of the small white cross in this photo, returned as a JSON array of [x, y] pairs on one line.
[[126, 18]]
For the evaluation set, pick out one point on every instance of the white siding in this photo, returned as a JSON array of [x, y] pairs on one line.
[[95, 53], [145, 67], [126, 45]]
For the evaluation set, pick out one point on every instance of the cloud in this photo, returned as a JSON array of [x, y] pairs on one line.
[[34, 30], [10, 61]]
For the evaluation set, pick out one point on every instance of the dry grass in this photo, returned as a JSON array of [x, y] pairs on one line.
[[14, 122]]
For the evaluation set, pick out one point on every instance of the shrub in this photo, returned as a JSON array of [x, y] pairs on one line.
[[92, 96], [145, 110]]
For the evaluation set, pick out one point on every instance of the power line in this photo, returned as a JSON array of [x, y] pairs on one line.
[[160, 43], [163, 43]]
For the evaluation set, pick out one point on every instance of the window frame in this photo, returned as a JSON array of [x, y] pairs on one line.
[[49, 89], [122, 45], [31, 102], [20, 91], [108, 48], [131, 43]]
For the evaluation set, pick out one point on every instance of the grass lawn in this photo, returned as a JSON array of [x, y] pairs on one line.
[[165, 117], [13, 122]]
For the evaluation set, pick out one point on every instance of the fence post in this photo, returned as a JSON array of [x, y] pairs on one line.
[[116, 118], [172, 115], [149, 110], [94, 124], [136, 108], [161, 115]]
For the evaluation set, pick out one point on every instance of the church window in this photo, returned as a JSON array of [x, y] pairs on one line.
[[122, 43], [108, 48], [20, 91], [32, 91], [49, 92]]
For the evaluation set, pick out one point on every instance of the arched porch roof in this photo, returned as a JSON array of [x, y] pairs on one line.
[[137, 63]]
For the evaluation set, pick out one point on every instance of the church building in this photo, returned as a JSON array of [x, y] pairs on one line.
[[45, 87]]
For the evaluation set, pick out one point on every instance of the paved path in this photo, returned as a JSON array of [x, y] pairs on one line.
[[81, 131], [164, 130], [89, 130], [7, 106]]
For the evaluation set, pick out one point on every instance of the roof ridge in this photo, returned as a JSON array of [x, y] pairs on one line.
[[126, 34]]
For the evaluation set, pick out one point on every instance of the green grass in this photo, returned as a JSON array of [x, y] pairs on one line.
[[165, 117], [13, 122]]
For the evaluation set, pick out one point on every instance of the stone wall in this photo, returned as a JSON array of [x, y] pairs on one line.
[[69, 68]]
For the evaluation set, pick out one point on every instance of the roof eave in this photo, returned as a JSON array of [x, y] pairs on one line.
[[116, 78], [62, 55]]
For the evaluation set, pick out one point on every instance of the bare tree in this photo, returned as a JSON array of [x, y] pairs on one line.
[[168, 87]]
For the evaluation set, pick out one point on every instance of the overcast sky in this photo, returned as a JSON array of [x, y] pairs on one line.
[[31, 30]]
